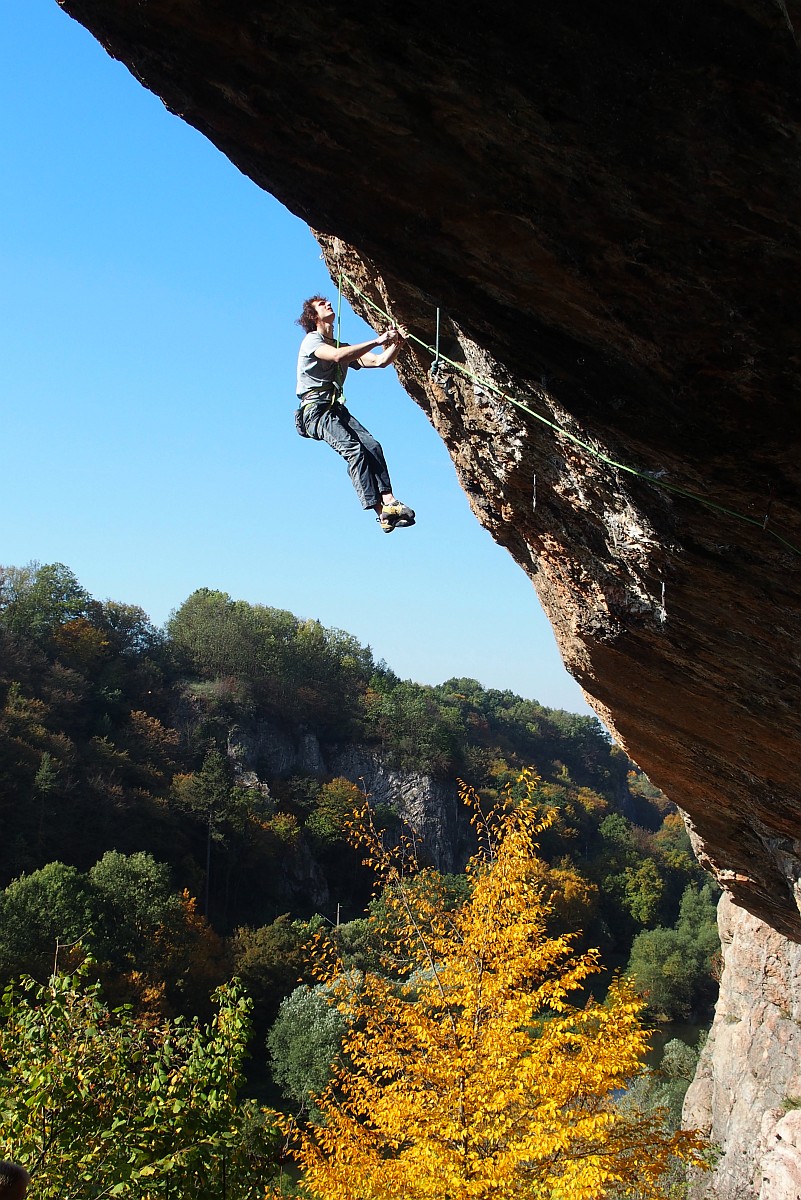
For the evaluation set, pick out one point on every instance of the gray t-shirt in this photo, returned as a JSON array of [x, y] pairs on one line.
[[315, 372]]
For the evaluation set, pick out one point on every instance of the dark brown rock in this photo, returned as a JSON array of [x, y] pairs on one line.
[[604, 201]]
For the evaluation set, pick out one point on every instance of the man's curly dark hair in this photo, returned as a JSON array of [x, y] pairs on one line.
[[14, 1181], [308, 317]]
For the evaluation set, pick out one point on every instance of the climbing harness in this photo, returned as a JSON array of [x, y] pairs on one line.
[[443, 376], [329, 396]]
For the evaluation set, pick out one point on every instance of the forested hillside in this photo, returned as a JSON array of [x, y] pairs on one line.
[[127, 821]]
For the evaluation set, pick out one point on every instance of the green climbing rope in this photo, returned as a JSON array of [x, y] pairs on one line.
[[339, 372], [488, 385], [339, 307]]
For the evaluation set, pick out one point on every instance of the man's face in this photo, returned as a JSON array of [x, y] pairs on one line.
[[324, 309]]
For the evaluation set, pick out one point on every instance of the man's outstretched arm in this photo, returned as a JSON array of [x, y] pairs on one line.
[[358, 353], [398, 337]]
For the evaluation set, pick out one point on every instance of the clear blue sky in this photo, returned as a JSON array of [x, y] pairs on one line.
[[147, 360]]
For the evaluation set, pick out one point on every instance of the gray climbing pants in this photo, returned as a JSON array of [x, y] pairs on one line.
[[363, 454]]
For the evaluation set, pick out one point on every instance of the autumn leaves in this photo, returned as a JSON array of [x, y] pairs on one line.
[[476, 1063]]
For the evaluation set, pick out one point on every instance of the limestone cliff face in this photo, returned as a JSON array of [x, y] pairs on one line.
[[747, 1091], [603, 200], [431, 807]]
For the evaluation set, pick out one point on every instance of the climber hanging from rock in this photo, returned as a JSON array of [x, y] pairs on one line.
[[322, 415]]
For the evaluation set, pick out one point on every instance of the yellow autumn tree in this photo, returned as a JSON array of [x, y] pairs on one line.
[[467, 1073]]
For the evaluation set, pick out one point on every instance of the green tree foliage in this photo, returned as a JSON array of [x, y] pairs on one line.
[[114, 737], [643, 888], [675, 969], [46, 777], [501, 723], [270, 960], [94, 1103], [664, 1088], [304, 1043], [358, 945], [659, 1093], [134, 899], [217, 635], [35, 601], [295, 669], [148, 942], [413, 727], [38, 912], [226, 817], [334, 807], [130, 631], [78, 747]]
